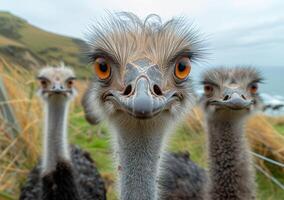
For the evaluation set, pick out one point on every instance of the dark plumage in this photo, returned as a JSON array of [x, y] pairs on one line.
[[181, 179], [89, 183], [60, 184]]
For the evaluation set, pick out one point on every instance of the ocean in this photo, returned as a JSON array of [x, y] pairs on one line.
[[273, 80]]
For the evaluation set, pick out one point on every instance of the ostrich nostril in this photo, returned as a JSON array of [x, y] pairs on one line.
[[227, 97], [243, 96], [157, 90], [127, 90]]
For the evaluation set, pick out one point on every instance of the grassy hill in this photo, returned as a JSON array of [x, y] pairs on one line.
[[31, 47]]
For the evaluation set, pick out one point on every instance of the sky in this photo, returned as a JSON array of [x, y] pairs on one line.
[[237, 32]]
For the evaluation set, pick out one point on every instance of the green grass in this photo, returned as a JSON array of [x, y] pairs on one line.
[[280, 128], [94, 139], [38, 39], [267, 190], [4, 196], [186, 140]]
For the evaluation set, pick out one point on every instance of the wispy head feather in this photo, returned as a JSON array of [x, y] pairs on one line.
[[221, 74], [125, 38]]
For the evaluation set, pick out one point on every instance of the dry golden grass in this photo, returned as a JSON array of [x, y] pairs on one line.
[[276, 121], [18, 155], [4, 41], [265, 140]]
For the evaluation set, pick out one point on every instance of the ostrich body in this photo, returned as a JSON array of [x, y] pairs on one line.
[[142, 87], [230, 95], [181, 178], [65, 174]]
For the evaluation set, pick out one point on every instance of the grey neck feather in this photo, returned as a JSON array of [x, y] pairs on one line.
[[231, 171], [55, 147], [139, 154]]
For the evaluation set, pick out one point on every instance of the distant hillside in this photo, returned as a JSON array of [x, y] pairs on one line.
[[31, 47]]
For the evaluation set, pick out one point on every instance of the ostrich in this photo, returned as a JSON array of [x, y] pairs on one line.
[[142, 87], [185, 180], [64, 173], [230, 95]]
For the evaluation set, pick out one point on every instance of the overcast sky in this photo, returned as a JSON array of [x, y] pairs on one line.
[[246, 32]]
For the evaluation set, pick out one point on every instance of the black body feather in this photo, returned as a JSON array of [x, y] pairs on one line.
[[182, 179], [79, 180]]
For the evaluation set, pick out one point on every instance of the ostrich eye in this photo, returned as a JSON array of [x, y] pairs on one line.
[[253, 88], [70, 83], [208, 89], [182, 68], [102, 68], [43, 83]]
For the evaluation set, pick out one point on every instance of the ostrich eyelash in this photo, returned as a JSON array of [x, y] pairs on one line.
[[71, 79], [101, 53]]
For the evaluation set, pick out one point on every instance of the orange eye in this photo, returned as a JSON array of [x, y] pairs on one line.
[[70, 83], [182, 68], [102, 68], [253, 88], [208, 89], [43, 83]]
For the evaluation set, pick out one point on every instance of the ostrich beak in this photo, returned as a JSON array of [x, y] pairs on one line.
[[58, 88], [142, 102], [233, 100], [143, 97]]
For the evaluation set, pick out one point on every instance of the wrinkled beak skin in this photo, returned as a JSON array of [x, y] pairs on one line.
[[142, 97], [234, 100]]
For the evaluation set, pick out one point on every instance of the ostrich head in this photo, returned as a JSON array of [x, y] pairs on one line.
[[56, 83], [230, 92], [142, 70]]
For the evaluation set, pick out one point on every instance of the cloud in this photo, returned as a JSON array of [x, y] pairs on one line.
[[246, 29]]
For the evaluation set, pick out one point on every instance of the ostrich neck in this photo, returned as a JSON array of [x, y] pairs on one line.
[[231, 172], [55, 147], [139, 154]]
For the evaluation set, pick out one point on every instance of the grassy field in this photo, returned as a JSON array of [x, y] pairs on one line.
[[18, 155]]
